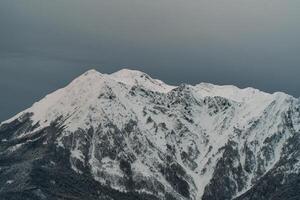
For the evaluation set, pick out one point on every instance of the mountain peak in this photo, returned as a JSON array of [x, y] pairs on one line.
[[128, 72], [138, 78], [92, 71], [132, 133]]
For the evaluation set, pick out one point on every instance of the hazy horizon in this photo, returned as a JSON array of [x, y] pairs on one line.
[[46, 44]]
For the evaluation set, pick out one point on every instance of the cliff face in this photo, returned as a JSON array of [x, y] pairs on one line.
[[128, 136]]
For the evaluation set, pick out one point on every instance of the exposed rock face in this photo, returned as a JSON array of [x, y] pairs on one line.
[[128, 136]]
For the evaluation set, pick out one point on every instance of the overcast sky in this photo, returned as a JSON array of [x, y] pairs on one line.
[[44, 44]]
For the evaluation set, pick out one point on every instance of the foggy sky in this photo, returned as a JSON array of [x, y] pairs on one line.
[[45, 44]]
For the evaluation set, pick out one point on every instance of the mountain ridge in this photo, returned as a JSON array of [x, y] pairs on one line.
[[134, 134], [117, 76]]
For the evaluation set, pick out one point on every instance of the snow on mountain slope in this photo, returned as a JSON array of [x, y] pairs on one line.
[[134, 77], [132, 133], [83, 91]]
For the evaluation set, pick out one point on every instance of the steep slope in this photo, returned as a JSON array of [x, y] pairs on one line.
[[128, 136]]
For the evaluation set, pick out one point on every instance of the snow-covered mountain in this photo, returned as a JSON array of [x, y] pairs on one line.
[[128, 136]]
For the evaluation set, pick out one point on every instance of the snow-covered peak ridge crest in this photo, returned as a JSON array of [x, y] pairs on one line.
[[237, 94], [126, 76], [83, 91], [135, 77]]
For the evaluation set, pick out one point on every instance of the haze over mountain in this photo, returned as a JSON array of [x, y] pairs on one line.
[[45, 44], [126, 135]]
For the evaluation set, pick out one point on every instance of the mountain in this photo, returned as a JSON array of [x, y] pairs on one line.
[[128, 136]]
